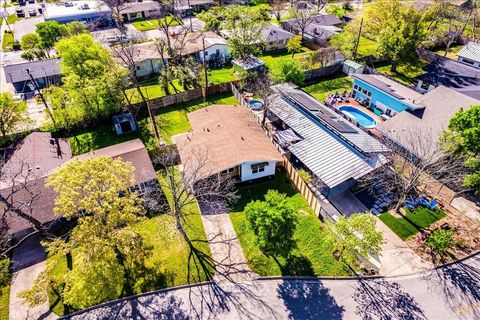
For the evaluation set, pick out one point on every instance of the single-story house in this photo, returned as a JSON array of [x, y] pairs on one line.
[[321, 141], [39, 154], [272, 37], [85, 10], [140, 10], [233, 141], [470, 54], [452, 74], [45, 73], [319, 30], [187, 7], [147, 58], [440, 103], [388, 96], [215, 46]]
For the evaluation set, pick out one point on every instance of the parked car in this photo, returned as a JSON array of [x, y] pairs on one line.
[[20, 13], [117, 39], [32, 12], [31, 1], [43, 5]]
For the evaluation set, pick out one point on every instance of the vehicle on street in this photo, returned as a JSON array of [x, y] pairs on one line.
[[32, 12], [20, 13], [31, 1]]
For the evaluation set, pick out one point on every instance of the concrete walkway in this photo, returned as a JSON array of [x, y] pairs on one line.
[[397, 258], [230, 263], [28, 262]]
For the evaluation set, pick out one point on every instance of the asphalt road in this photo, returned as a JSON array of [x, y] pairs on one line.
[[451, 292]]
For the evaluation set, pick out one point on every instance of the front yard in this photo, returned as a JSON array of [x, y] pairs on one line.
[[170, 120], [311, 257], [146, 25], [412, 222], [325, 87], [171, 262]]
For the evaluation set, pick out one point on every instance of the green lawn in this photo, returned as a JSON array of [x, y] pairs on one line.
[[406, 73], [452, 53], [4, 293], [217, 76], [311, 257], [413, 221], [366, 47], [146, 25], [7, 41], [11, 19], [273, 58], [170, 120], [171, 257], [321, 90], [152, 90]]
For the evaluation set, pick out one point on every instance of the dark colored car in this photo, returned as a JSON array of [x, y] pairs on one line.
[[31, 1], [32, 12], [20, 13]]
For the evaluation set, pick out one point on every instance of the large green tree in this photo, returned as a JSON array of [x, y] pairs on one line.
[[49, 32], [463, 138], [103, 249], [288, 71], [353, 237], [273, 221], [12, 114], [397, 28]]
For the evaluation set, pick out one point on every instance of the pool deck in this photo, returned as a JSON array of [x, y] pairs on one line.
[[355, 104]]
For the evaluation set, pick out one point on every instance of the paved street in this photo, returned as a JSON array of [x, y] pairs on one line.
[[452, 292]]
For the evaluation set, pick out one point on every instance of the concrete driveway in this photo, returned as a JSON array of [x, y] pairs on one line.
[[24, 26], [451, 292]]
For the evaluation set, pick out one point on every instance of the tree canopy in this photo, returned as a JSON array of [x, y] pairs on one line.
[[12, 113], [288, 71], [273, 222]]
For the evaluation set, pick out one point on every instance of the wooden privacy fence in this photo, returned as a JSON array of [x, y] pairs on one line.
[[302, 187]]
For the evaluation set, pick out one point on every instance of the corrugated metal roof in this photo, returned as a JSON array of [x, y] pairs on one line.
[[471, 51], [327, 155]]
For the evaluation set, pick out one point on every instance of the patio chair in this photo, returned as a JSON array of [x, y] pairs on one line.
[[433, 204], [423, 201]]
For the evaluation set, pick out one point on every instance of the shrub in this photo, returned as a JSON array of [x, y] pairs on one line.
[[16, 45], [306, 176], [440, 241], [288, 71]]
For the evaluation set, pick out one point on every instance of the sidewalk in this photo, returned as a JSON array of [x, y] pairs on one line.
[[230, 263]]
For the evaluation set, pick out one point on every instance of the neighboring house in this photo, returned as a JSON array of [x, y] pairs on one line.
[[215, 46], [187, 7], [470, 54], [452, 74], [320, 141], [140, 10], [147, 58], [45, 73], [272, 37], [440, 105], [382, 93], [233, 141], [38, 155], [318, 30], [86, 11]]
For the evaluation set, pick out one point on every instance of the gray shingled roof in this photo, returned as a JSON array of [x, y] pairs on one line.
[[274, 33], [454, 75], [471, 51], [18, 72]]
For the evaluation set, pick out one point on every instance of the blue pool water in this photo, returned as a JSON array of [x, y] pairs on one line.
[[255, 104], [361, 117]]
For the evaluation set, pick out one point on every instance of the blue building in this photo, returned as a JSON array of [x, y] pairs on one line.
[[384, 95]]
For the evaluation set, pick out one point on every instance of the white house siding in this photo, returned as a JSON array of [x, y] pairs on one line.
[[212, 50], [148, 67], [276, 45], [246, 170], [475, 64]]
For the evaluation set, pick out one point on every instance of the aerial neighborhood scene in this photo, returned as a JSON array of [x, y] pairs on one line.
[[240, 159]]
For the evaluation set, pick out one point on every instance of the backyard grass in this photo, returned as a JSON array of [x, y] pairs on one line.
[[321, 90], [170, 258], [7, 41], [146, 25], [273, 58], [366, 47], [413, 221], [452, 53], [152, 90], [406, 73], [217, 76], [170, 121], [4, 294], [312, 255]]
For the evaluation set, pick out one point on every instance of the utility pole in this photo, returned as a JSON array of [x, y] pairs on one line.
[[152, 120], [35, 84], [358, 40], [206, 74], [190, 16]]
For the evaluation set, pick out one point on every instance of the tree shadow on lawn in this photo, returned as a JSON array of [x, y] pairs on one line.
[[295, 265], [380, 299], [309, 300], [460, 285]]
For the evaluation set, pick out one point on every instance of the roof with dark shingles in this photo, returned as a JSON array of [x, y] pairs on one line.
[[41, 68], [454, 75]]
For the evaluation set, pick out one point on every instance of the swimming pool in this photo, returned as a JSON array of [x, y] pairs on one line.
[[255, 104], [361, 117]]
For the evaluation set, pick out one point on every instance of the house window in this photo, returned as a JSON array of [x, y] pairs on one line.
[[227, 171], [355, 87], [139, 188], [206, 53], [259, 167], [138, 68], [468, 61], [369, 94]]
